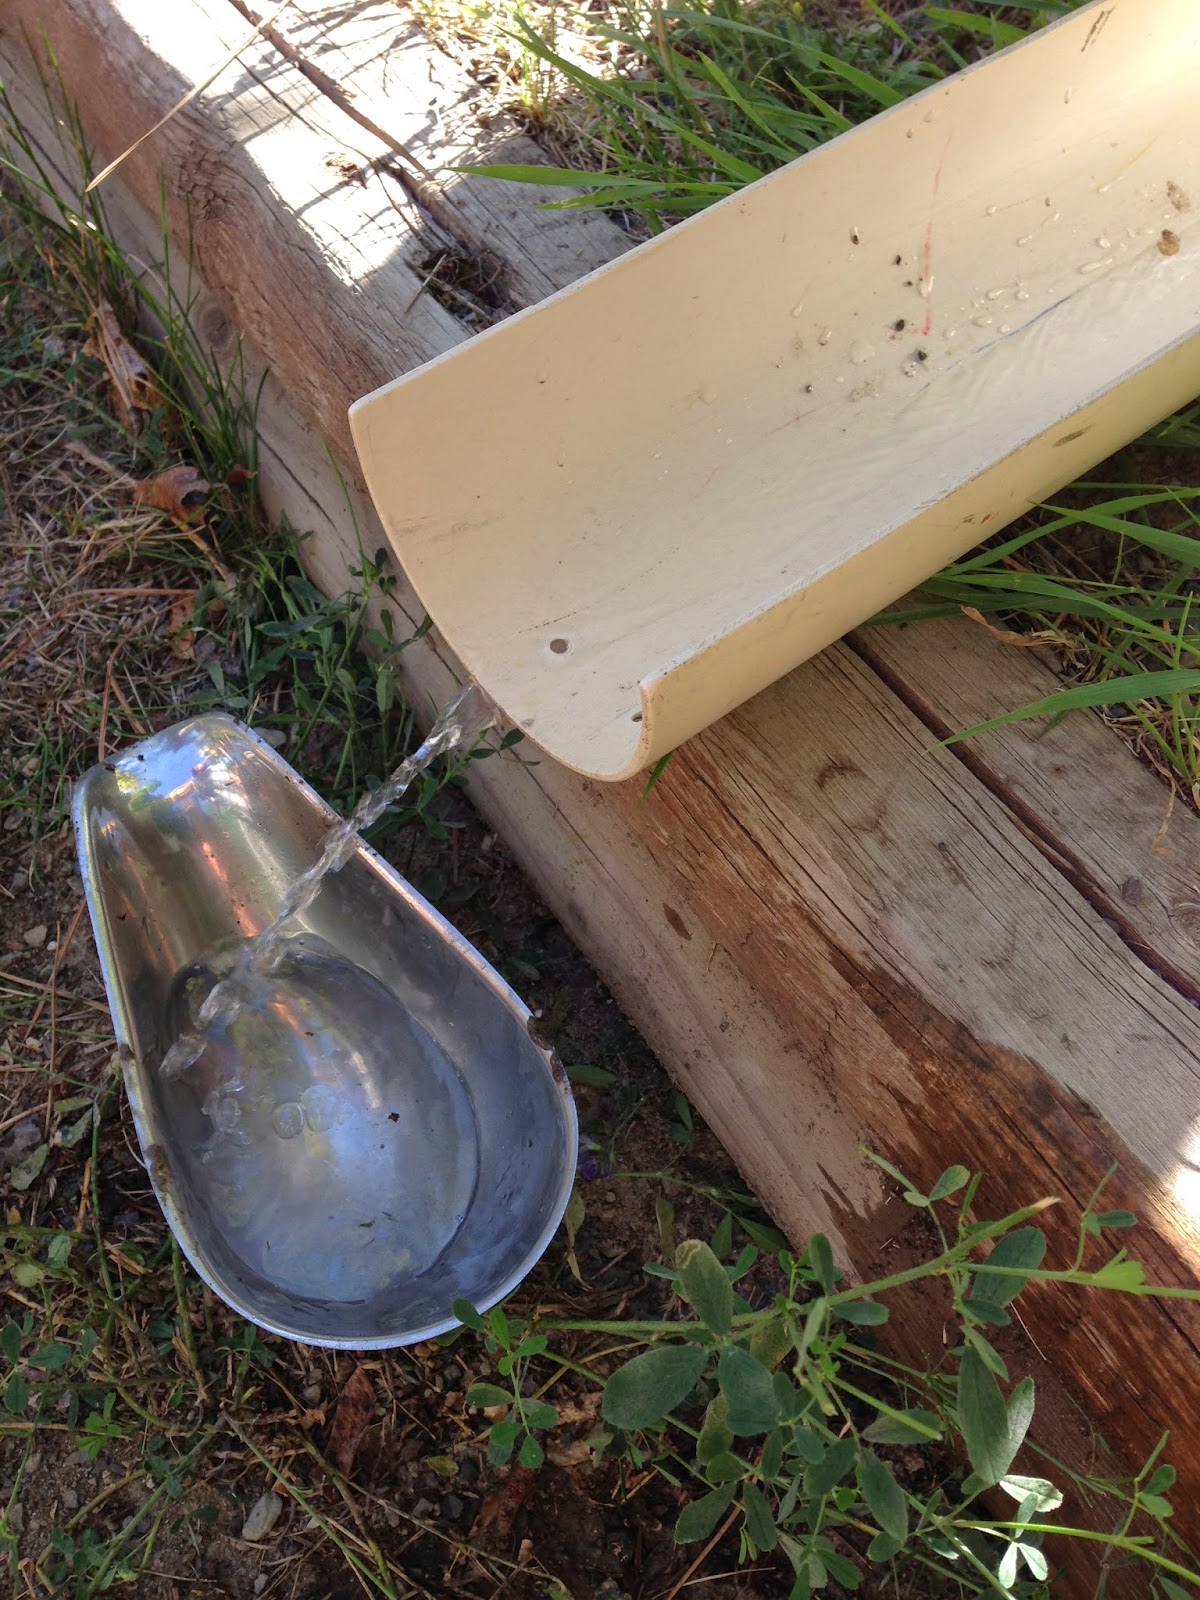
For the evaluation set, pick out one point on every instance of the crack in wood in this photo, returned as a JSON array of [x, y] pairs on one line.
[[472, 287]]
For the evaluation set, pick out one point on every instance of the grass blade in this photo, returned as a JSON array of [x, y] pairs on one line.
[[1109, 692]]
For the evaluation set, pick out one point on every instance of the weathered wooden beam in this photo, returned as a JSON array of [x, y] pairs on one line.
[[831, 934]]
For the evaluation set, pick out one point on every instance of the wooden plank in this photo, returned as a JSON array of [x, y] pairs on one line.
[[1123, 844], [426, 109], [830, 935]]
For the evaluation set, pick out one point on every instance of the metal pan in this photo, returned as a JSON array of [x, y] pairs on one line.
[[377, 1134]]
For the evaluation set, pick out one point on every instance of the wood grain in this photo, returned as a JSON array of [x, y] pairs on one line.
[[1112, 838], [832, 935]]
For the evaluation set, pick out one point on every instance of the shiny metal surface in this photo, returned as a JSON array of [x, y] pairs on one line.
[[377, 1134]]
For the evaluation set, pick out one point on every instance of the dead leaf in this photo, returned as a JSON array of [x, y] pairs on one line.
[[237, 475], [349, 170], [1023, 641], [179, 491], [135, 393], [1158, 844], [500, 1507], [583, 1410], [354, 1414], [572, 1453], [179, 625]]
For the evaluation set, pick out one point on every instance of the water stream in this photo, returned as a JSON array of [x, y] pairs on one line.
[[245, 980]]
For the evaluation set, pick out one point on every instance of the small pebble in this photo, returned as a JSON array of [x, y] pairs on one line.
[[422, 1508], [311, 1393], [260, 1583], [264, 1514], [275, 737], [35, 936], [452, 1507], [18, 881], [70, 1500]]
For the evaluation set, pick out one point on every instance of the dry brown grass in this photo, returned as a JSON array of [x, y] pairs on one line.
[[95, 593]]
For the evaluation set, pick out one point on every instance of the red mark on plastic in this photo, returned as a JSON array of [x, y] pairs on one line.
[[792, 421], [696, 493]]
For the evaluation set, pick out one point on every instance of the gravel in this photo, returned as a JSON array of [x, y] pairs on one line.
[[264, 1514]]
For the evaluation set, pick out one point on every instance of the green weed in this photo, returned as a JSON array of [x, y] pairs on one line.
[[786, 1422], [507, 1340], [1117, 576]]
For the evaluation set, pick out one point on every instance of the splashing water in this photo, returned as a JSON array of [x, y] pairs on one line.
[[468, 715]]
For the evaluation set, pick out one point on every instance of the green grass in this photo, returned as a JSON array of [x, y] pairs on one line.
[[712, 97], [709, 98]]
